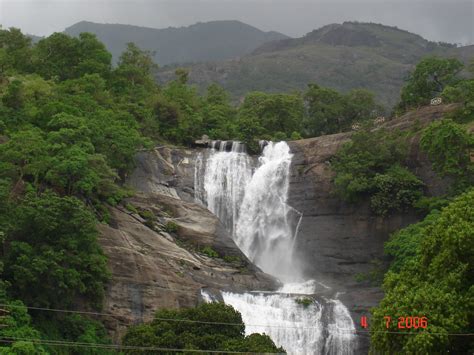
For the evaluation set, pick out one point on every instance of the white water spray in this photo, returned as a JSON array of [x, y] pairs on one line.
[[267, 225], [252, 204]]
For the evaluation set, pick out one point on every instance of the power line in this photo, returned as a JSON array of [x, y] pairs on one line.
[[234, 324], [116, 347]]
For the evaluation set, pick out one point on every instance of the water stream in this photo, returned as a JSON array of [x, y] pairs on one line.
[[250, 198]]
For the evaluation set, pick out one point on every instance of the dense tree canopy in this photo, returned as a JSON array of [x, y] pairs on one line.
[[432, 277], [70, 125], [430, 77], [448, 145], [372, 165], [331, 112]]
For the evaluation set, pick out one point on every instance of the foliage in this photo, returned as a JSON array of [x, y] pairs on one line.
[[430, 77], [51, 254], [427, 204], [462, 92], [372, 56], [396, 189], [331, 112], [431, 276], [233, 259], [204, 336], [73, 328], [15, 51], [131, 208], [370, 165], [209, 251], [375, 276], [64, 57], [16, 323], [305, 302], [448, 145], [275, 113], [171, 227]]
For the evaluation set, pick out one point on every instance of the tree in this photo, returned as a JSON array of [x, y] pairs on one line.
[[360, 107], [448, 145], [51, 255], [25, 156], [325, 111], [371, 166], [434, 281], [134, 70], [57, 56], [429, 79], [183, 105], [15, 51], [65, 57], [198, 336], [330, 112], [14, 96], [276, 112], [219, 117], [94, 57]]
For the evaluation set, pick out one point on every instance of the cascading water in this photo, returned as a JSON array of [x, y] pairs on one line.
[[251, 201]]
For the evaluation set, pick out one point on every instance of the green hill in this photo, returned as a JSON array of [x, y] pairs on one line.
[[214, 40], [340, 56]]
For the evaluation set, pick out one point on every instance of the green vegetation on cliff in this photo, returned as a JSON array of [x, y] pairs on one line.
[[70, 125], [68, 134], [373, 165], [431, 276]]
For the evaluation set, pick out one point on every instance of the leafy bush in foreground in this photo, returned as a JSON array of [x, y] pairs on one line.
[[199, 336]]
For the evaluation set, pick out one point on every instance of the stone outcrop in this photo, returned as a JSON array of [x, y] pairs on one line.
[[157, 247], [338, 240], [163, 248]]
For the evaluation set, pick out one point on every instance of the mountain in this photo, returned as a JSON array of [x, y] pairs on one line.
[[340, 56], [207, 41], [34, 39]]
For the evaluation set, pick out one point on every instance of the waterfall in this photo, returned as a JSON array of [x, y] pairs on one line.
[[251, 201], [266, 226], [220, 183]]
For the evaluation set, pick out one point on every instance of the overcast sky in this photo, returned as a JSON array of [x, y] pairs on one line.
[[446, 20]]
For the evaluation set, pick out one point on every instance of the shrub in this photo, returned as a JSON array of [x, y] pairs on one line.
[[232, 259], [305, 302], [171, 227], [131, 208], [448, 146], [370, 166], [209, 252], [211, 334], [431, 277], [395, 190]]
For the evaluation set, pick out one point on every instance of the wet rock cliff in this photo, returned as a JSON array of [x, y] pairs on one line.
[[163, 248], [337, 240]]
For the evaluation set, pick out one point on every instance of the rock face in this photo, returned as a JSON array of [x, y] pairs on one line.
[[337, 240], [163, 248]]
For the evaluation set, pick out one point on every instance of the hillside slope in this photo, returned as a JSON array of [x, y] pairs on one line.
[[207, 41], [340, 56]]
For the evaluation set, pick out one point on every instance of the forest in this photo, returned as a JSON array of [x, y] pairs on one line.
[[71, 123]]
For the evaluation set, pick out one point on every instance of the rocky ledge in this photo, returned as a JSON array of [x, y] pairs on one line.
[[163, 248], [337, 240]]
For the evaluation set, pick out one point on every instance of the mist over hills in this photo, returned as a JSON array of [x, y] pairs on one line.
[[340, 56], [216, 40]]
